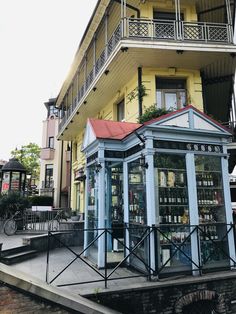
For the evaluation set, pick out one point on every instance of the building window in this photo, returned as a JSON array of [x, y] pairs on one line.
[[169, 16], [48, 176], [52, 110], [170, 93], [51, 142], [121, 110]]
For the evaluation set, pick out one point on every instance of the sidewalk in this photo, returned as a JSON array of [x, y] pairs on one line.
[[78, 271], [9, 242]]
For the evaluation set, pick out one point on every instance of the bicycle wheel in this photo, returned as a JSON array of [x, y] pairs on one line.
[[10, 227]]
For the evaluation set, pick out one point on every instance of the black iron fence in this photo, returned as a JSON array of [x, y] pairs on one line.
[[135, 251]]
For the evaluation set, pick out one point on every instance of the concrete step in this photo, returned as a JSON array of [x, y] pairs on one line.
[[14, 250], [18, 257]]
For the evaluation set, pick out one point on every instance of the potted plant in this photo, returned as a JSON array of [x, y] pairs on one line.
[[75, 215]]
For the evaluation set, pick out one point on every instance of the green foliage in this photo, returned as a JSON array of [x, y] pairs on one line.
[[152, 112], [28, 155], [41, 200], [12, 202], [134, 94]]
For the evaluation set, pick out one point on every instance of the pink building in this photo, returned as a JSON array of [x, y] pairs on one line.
[[55, 159]]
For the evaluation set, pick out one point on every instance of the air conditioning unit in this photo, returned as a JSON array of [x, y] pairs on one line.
[[117, 246]]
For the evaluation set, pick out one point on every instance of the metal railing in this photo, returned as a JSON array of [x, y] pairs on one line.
[[133, 28], [137, 257], [42, 221], [47, 184], [178, 30], [109, 48]]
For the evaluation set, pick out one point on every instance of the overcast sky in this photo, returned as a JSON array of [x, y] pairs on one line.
[[38, 41]]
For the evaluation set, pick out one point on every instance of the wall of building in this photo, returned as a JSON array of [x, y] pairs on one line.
[[50, 129], [189, 10], [13, 301], [107, 27], [109, 112], [170, 298]]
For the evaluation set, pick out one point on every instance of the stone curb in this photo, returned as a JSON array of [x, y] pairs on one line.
[[38, 288]]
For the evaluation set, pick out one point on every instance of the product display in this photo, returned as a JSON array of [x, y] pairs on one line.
[[137, 196], [116, 196], [173, 196]]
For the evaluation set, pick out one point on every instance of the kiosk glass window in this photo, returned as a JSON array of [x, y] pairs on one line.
[[211, 211], [92, 212], [137, 194], [114, 192], [172, 212], [15, 181], [138, 216], [114, 205], [6, 182]]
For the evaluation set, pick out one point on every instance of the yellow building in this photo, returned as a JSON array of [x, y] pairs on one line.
[[154, 187], [136, 54]]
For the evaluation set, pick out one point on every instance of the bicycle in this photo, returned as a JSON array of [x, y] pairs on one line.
[[58, 218], [10, 225]]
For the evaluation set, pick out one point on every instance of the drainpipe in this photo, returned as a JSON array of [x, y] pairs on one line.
[[140, 98]]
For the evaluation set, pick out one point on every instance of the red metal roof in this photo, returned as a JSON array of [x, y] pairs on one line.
[[115, 130], [107, 129]]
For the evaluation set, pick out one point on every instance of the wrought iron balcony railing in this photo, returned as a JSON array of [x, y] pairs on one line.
[[135, 29], [175, 30]]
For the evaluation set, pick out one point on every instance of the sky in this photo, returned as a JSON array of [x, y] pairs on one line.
[[38, 41]]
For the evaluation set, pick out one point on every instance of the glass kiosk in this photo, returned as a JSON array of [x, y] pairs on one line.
[[168, 201]]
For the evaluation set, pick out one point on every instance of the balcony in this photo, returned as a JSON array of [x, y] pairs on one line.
[[47, 185], [175, 30], [47, 153], [154, 31]]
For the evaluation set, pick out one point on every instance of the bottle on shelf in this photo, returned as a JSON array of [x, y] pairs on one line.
[[184, 218], [199, 180], [161, 197], [175, 216], [171, 178], [162, 178]]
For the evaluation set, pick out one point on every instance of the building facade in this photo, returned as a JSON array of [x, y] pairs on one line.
[[55, 160], [136, 54], [159, 188]]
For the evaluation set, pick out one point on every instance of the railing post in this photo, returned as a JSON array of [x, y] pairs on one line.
[[199, 251], [125, 31], [152, 29], [48, 248], [155, 250]]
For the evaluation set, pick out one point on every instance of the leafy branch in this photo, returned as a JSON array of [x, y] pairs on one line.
[[152, 112], [139, 91]]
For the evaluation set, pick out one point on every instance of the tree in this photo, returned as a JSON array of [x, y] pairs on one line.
[[29, 156], [12, 202]]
